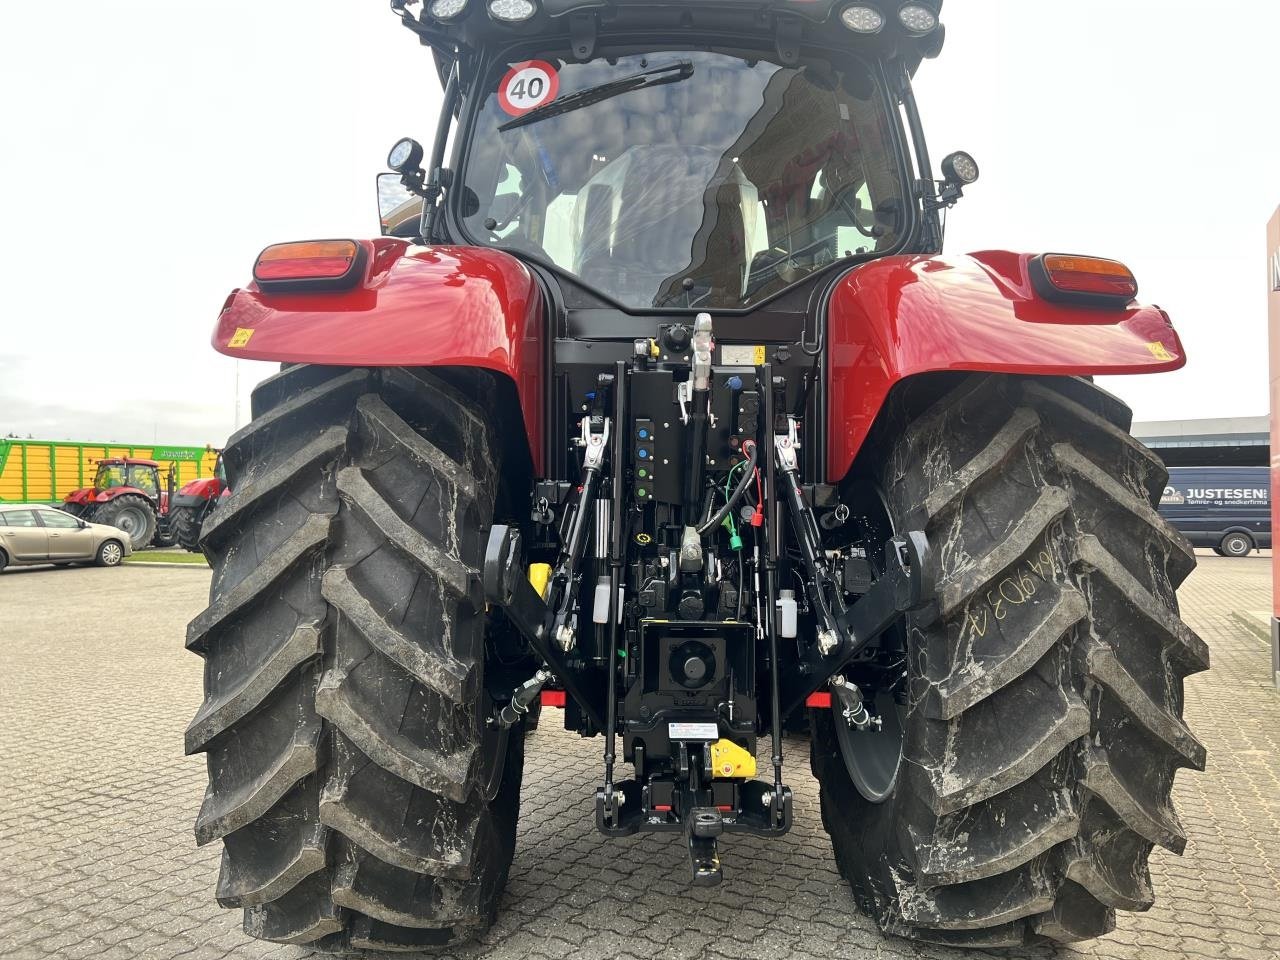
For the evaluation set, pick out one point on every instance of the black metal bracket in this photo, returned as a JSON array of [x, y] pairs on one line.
[[506, 586], [701, 828], [583, 29], [626, 814], [907, 584], [789, 33]]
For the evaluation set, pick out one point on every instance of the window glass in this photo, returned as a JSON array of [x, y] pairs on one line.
[[18, 518], [58, 520], [723, 184], [110, 476], [144, 478]]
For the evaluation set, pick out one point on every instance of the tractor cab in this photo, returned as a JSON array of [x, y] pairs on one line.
[[706, 156], [141, 475]]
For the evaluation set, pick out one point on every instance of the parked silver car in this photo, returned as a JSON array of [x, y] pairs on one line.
[[38, 533]]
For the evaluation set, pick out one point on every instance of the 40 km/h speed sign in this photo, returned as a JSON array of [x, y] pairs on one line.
[[528, 86]]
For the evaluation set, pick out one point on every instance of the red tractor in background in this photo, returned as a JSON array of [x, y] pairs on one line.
[[127, 494], [193, 503]]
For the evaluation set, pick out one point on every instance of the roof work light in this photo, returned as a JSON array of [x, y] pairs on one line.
[[862, 18], [512, 11], [447, 9], [917, 19]]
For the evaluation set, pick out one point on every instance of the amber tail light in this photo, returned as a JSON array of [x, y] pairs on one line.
[[1087, 280], [310, 264]]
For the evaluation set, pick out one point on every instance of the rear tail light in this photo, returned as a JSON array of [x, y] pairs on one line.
[[1094, 280], [818, 701], [309, 263]]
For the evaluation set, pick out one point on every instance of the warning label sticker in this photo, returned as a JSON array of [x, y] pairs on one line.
[[693, 731], [528, 86], [736, 355]]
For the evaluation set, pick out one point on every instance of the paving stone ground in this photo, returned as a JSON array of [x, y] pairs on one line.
[[97, 801]]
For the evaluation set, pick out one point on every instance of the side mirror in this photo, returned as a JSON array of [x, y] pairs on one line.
[[84, 524], [399, 209]]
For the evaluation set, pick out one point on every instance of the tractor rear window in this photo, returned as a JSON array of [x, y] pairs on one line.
[[694, 179]]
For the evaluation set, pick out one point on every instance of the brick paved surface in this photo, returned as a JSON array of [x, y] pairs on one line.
[[96, 805]]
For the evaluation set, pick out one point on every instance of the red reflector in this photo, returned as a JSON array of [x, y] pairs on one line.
[[553, 698], [1090, 275], [662, 807], [819, 701], [726, 809], [317, 269], [311, 260]]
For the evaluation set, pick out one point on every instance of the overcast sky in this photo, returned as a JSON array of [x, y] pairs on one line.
[[150, 149]]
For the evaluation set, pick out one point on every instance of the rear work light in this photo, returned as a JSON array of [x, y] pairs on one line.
[[447, 9], [862, 18], [315, 264], [917, 19], [1065, 278], [512, 11]]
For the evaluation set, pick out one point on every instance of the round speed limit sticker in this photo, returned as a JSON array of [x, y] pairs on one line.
[[527, 86]]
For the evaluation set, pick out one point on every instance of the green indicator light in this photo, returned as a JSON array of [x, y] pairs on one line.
[[642, 473], [641, 492]]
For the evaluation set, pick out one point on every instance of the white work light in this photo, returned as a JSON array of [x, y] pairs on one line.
[[512, 11], [918, 19], [960, 167], [446, 9], [862, 19]]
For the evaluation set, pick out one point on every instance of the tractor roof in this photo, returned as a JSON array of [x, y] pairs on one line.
[[581, 24], [128, 461]]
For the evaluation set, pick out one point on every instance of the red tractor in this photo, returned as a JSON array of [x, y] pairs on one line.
[[193, 503], [668, 408], [127, 494]]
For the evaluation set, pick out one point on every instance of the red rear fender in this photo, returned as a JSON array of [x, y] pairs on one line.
[[902, 316], [415, 306], [206, 488]]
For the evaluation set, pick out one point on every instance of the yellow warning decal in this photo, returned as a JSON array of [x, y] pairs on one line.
[[240, 338], [1160, 351]]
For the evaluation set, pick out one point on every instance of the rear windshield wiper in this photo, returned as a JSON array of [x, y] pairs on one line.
[[672, 73]]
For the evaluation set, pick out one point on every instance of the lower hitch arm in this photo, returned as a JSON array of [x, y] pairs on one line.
[[907, 584]]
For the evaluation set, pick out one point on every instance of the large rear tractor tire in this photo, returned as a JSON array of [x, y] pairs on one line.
[[1033, 744], [360, 797], [186, 523], [131, 513]]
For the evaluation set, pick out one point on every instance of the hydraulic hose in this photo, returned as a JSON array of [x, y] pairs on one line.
[[738, 492]]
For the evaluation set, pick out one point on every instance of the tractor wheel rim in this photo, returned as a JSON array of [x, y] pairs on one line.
[[111, 554], [131, 521], [873, 757]]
